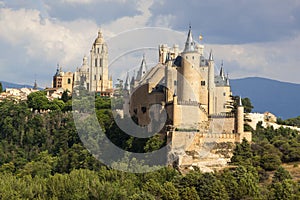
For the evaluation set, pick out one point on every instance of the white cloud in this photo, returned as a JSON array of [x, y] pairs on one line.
[[50, 41], [127, 23], [276, 60]]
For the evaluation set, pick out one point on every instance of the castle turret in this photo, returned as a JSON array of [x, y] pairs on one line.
[[222, 72], [142, 71], [127, 84], [132, 82], [189, 78], [176, 111], [170, 77], [189, 44], [240, 117], [211, 84]]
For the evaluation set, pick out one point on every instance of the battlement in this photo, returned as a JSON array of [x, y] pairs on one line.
[[222, 115]]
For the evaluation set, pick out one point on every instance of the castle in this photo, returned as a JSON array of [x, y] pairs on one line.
[[198, 103]]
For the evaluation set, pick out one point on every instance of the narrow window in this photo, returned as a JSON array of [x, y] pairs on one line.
[[69, 81], [96, 62], [95, 77], [101, 62], [144, 109], [202, 83]]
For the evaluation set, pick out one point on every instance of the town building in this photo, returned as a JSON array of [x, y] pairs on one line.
[[63, 80]]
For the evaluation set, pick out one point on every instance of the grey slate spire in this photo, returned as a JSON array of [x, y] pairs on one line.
[[189, 44], [127, 84], [227, 80], [143, 69], [222, 71], [211, 57], [240, 101]]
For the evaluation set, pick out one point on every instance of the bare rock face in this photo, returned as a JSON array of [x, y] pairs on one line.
[[192, 151]]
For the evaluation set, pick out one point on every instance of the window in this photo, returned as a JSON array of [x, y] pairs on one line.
[[202, 83], [95, 77], [100, 77], [144, 109], [96, 62], [101, 62], [98, 50], [175, 83], [69, 81], [224, 94]]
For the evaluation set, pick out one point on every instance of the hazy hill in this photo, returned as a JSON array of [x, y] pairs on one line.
[[14, 85], [280, 98]]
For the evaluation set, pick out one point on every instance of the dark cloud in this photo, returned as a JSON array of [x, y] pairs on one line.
[[101, 12], [233, 21]]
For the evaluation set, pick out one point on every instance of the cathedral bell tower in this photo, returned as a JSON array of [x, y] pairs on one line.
[[99, 80]]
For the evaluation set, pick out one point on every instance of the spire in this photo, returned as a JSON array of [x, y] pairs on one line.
[[211, 57], [222, 71], [189, 44], [127, 84], [35, 85], [143, 69], [57, 70], [240, 101], [132, 79], [227, 80]]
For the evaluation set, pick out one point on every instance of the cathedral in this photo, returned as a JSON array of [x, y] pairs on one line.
[[198, 102], [94, 75]]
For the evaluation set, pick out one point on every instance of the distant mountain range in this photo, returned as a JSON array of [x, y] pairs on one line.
[[14, 85], [279, 98]]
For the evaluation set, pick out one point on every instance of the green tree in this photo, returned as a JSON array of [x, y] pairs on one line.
[[38, 101], [1, 87], [280, 175], [65, 96], [248, 183], [247, 105], [242, 153], [287, 189]]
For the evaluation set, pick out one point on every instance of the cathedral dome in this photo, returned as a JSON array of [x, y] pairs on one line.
[[84, 67], [99, 39]]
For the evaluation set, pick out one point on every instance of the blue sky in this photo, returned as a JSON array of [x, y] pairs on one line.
[[253, 38]]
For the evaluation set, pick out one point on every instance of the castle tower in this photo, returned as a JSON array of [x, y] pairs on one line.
[[240, 117], [211, 84], [99, 80], [170, 79], [188, 76]]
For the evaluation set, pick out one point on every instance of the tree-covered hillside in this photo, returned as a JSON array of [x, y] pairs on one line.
[[42, 157]]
